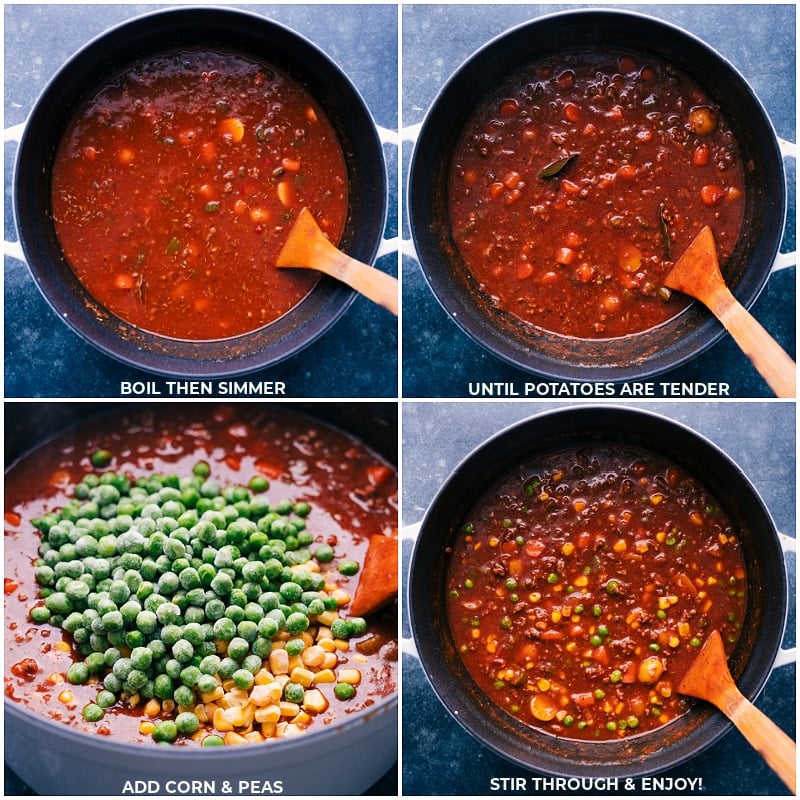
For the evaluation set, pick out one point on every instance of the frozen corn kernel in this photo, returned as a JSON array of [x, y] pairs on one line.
[[351, 676]]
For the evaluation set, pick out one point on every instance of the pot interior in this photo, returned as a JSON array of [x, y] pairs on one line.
[[640, 754], [534, 349], [236, 31]]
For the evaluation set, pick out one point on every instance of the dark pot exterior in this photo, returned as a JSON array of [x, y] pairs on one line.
[[642, 754], [241, 32], [534, 349]]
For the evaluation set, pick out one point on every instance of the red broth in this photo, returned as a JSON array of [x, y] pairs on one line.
[[582, 587], [579, 182], [175, 184], [351, 491]]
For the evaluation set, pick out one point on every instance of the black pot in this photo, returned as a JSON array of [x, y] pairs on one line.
[[87, 70], [642, 754], [533, 349]]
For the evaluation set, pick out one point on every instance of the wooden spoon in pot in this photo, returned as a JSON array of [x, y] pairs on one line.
[[308, 248], [709, 679], [697, 274]]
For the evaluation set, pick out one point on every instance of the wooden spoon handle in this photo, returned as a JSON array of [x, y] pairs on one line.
[[778, 749], [766, 355], [378, 286]]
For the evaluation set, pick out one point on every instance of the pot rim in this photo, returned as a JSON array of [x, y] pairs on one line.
[[263, 347], [517, 343], [466, 704], [158, 753]]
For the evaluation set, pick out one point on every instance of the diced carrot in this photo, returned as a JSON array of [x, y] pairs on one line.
[[125, 155], [378, 474], [550, 277], [566, 79], [524, 270], [496, 190], [208, 150], [647, 74], [122, 280], [551, 635], [259, 215], [181, 290], [231, 129], [272, 471], [571, 112], [627, 172], [583, 699], [534, 548], [60, 477], [701, 155], [512, 197], [584, 272], [569, 187], [290, 164], [509, 108], [543, 707], [286, 193], [565, 256]]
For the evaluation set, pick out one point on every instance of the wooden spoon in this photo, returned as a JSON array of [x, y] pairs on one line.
[[709, 679], [697, 274], [308, 248]]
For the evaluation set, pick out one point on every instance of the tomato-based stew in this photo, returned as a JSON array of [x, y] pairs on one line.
[[581, 587], [186, 577], [175, 185], [580, 181]]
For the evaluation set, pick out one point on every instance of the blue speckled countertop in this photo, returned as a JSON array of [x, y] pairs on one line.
[[44, 358], [439, 359], [439, 757]]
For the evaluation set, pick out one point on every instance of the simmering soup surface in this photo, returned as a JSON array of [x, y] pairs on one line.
[[579, 182], [175, 185], [187, 576], [581, 587]]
